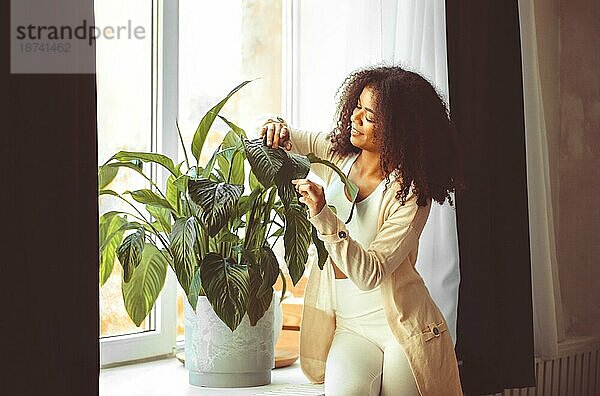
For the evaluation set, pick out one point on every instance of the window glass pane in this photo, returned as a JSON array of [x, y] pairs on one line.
[[235, 41], [124, 123]]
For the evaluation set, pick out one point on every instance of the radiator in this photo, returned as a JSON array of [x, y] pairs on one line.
[[576, 372]]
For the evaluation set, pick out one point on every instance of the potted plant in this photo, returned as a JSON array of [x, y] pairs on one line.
[[215, 227]]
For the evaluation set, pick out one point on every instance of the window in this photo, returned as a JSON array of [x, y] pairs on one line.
[[183, 69], [131, 107], [236, 41]]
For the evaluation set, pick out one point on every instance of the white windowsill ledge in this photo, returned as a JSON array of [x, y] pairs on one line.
[[170, 377]]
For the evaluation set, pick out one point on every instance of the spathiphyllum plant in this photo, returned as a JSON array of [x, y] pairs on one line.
[[215, 226]]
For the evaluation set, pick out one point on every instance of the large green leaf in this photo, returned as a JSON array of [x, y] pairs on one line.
[[109, 215], [130, 252], [269, 206], [226, 286], [254, 183], [265, 161], [207, 121], [108, 171], [181, 183], [162, 215], [295, 167], [149, 197], [160, 159], [351, 188], [141, 292], [217, 201], [228, 237], [109, 240], [108, 192], [245, 203], [256, 306], [125, 226], [283, 285], [238, 131], [296, 240], [287, 193], [270, 270], [135, 165], [195, 288], [230, 140], [172, 192], [181, 241], [156, 225], [231, 159], [106, 174], [299, 166], [208, 170], [263, 272], [322, 253]]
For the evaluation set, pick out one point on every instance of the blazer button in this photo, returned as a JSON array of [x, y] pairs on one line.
[[436, 331], [342, 234]]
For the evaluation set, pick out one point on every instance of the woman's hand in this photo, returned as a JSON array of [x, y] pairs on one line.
[[313, 195], [278, 134]]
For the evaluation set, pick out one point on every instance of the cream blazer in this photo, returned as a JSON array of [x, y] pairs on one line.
[[389, 261]]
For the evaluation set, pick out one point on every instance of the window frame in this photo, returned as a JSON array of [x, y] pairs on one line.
[[164, 49], [129, 348], [289, 59]]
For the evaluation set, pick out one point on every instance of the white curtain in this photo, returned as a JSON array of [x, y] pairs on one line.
[[547, 308], [418, 42], [331, 40]]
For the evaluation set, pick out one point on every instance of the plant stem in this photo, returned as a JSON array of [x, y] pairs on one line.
[[276, 239], [230, 167], [270, 226], [187, 162], [149, 224], [153, 184]]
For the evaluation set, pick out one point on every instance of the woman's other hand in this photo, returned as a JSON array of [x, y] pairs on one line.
[[278, 134], [313, 195]]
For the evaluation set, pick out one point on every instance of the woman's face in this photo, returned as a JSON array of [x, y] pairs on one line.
[[363, 120]]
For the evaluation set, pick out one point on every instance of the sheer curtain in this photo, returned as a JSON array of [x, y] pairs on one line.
[[330, 42], [411, 33], [547, 308], [416, 39]]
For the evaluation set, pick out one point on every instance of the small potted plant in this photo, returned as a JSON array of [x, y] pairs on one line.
[[215, 227]]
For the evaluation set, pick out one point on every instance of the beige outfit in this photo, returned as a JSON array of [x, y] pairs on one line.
[[388, 262]]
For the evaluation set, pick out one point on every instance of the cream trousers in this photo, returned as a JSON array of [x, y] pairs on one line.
[[365, 359]]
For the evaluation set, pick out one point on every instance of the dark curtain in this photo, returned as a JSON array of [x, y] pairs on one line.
[[495, 321], [49, 263]]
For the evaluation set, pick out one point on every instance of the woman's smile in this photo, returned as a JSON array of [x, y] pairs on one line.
[[363, 127], [355, 132]]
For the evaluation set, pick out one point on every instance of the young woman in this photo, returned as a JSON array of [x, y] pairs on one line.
[[369, 324]]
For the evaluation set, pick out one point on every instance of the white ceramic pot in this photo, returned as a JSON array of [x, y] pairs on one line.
[[278, 324], [217, 357]]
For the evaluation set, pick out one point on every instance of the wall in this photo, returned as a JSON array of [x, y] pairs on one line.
[[575, 162]]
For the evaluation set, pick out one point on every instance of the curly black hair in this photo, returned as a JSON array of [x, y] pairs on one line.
[[413, 129]]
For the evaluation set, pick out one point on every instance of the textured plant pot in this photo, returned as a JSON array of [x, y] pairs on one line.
[[278, 320], [216, 357]]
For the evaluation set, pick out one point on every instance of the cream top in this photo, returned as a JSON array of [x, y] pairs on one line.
[[363, 225]]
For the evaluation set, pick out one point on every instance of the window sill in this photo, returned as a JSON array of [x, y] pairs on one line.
[[170, 377]]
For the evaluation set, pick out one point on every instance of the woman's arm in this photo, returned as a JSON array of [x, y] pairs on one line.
[[397, 237], [302, 142]]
